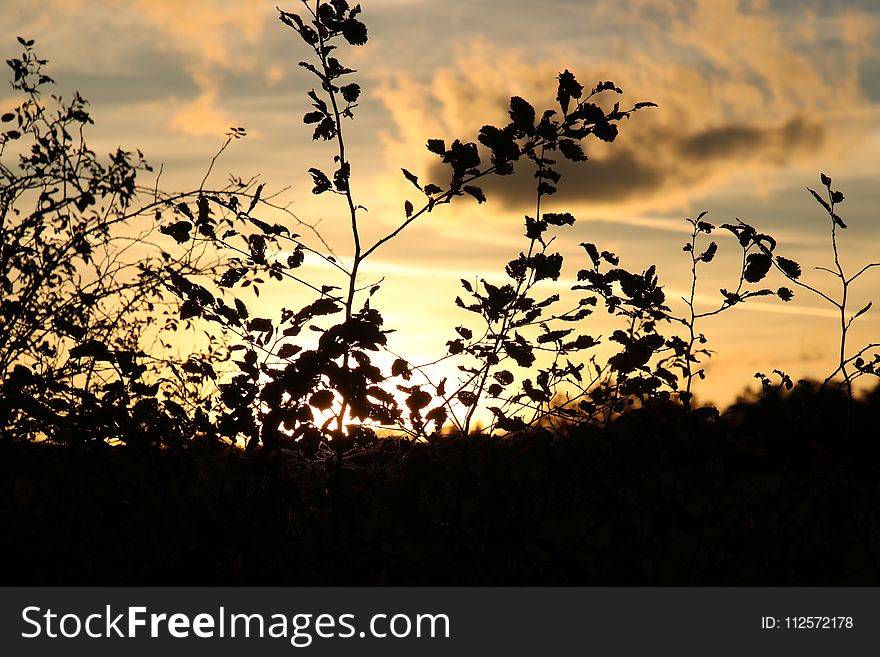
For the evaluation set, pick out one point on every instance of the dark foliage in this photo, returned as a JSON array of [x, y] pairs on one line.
[[767, 495], [292, 452], [81, 289]]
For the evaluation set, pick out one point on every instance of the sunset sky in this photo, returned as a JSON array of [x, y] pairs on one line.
[[755, 99]]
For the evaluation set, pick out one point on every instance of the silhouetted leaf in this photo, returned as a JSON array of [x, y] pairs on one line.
[[558, 219], [322, 182], [517, 269], [535, 228], [757, 266], [190, 308], [296, 258], [709, 253], [184, 209], [789, 267], [522, 116], [437, 146], [308, 35], [260, 325], [257, 245], [407, 209], [256, 197], [462, 157], [92, 349], [494, 390], [497, 299], [863, 310], [546, 266], [509, 424], [322, 399], [241, 308], [571, 150], [204, 211], [351, 92], [732, 298], [553, 336], [437, 415], [637, 352], [326, 129], [610, 258], [521, 353], [412, 178], [568, 88], [605, 131], [476, 192], [581, 342], [178, 230], [232, 276], [287, 350], [313, 117], [820, 200], [607, 85], [262, 225], [785, 294], [341, 176], [546, 189], [547, 127], [354, 32], [401, 368], [455, 346], [593, 252], [417, 400]]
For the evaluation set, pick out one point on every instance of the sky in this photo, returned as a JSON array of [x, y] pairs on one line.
[[756, 98]]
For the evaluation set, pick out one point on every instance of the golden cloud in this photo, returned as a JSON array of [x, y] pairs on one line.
[[740, 88], [210, 37], [213, 38], [200, 117]]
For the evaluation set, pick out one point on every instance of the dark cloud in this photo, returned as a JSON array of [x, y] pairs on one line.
[[743, 88], [750, 141], [649, 163]]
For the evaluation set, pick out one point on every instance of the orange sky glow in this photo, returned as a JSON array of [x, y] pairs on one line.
[[755, 99]]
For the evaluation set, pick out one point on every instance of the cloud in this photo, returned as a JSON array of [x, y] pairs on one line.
[[632, 170], [747, 141], [200, 117], [209, 39], [213, 38], [740, 88]]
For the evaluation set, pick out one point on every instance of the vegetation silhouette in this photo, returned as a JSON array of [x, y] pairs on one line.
[[299, 450]]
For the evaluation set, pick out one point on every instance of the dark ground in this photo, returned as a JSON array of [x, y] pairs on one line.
[[783, 493]]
